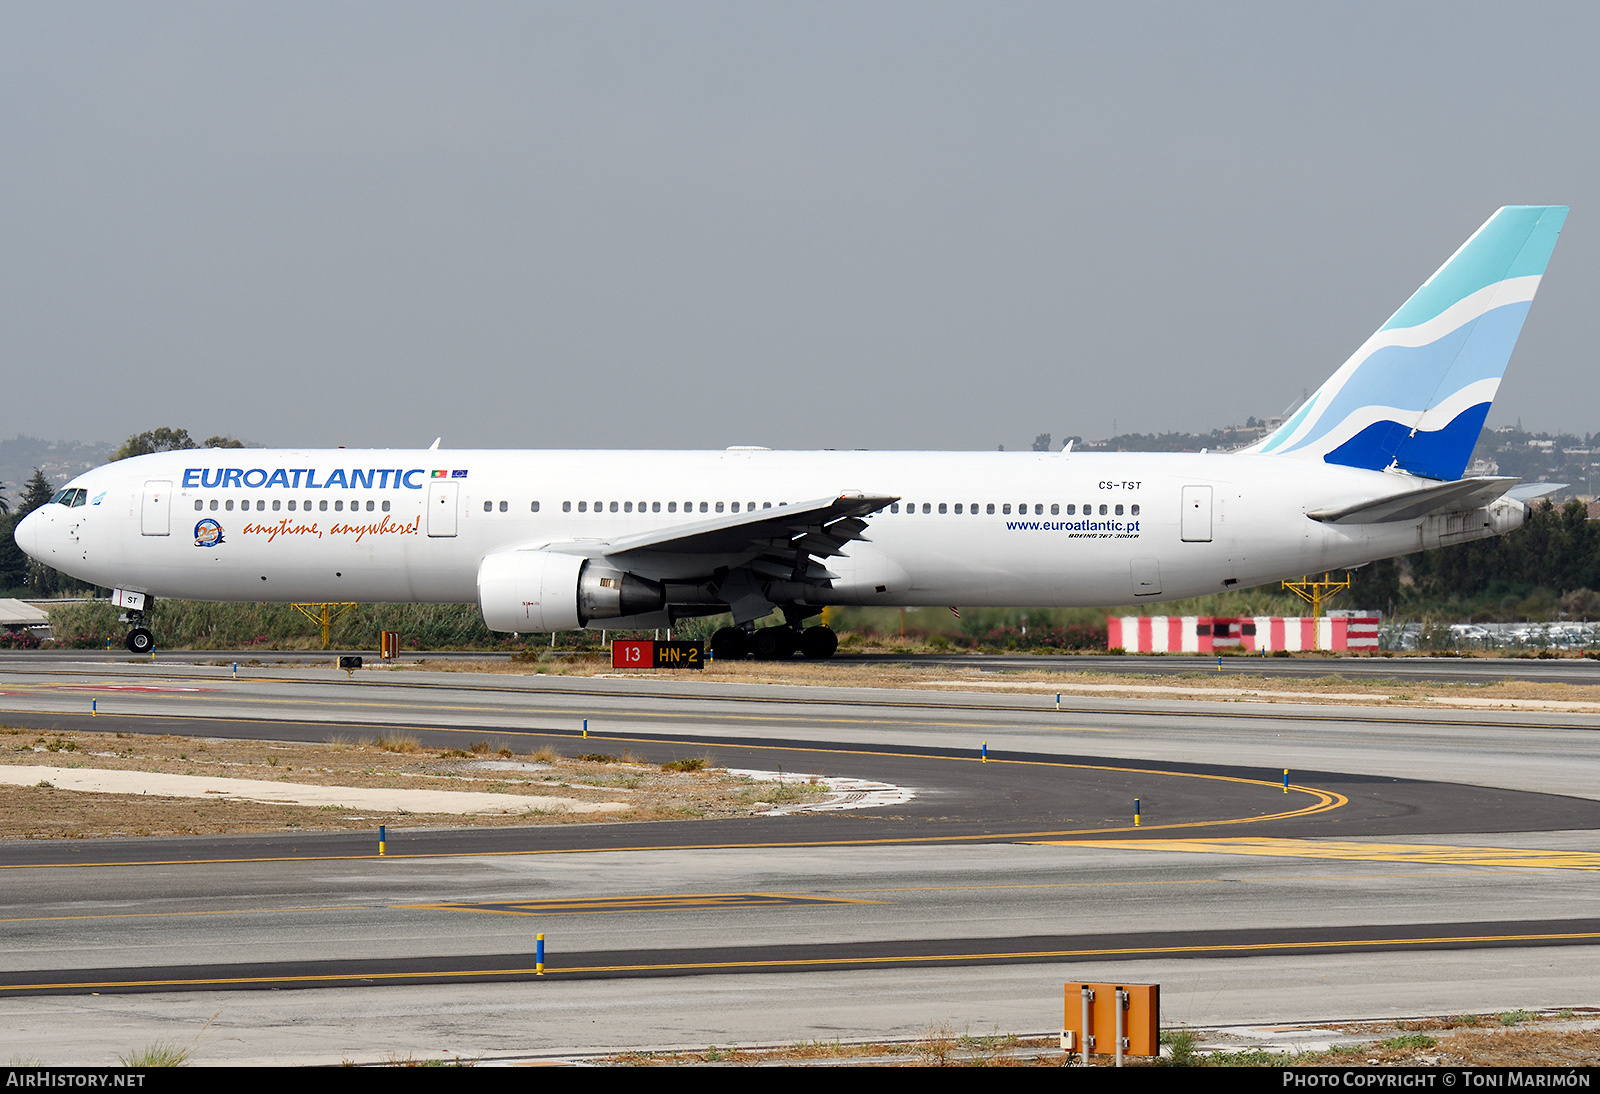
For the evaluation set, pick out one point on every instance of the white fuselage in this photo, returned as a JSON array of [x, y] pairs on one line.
[[972, 528]]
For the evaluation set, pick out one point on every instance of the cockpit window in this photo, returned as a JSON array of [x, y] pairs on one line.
[[63, 497], [71, 498]]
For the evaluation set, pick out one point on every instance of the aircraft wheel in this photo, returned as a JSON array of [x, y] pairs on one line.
[[140, 640], [730, 643], [773, 643], [819, 643]]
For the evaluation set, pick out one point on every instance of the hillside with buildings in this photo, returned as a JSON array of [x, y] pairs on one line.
[[1568, 458]]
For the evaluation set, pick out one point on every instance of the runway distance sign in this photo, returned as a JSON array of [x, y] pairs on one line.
[[647, 654]]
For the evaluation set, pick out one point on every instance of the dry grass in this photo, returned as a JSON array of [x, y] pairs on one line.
[[940, 1047], [43, 812], [1514, 1039]]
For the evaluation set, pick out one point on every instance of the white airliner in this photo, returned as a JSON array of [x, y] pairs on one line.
[[1369, 467]]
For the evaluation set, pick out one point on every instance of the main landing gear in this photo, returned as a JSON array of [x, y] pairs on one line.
[[774, 643]]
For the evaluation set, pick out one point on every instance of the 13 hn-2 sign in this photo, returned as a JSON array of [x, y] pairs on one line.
[[647, 654]]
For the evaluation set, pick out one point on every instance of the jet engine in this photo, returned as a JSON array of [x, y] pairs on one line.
[[548, 591]]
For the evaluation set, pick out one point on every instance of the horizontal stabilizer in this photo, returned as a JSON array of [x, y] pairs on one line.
[[1465, 494], [1528, 491]]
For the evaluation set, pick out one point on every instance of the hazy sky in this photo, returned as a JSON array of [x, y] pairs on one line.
[[801, 225]]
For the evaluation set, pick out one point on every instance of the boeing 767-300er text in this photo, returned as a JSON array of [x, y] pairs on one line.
[[1369, 467]]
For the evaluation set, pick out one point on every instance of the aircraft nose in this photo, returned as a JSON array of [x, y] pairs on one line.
[[26, 534]]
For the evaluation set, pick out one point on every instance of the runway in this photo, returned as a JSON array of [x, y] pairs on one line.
[[1422, 861], [1412, 667]]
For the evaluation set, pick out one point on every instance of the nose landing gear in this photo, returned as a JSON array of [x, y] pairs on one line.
[[139, 639]]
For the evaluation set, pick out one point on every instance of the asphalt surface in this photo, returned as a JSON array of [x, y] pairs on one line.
[[1419, 855], [1569, 669]]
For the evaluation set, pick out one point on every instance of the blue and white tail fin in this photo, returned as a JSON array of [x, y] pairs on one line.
[[1414, 397]]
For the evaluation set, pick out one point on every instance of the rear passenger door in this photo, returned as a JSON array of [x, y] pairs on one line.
[[1195, 523], [443, 498]]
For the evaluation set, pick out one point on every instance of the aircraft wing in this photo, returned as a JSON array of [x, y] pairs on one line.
[[784, 542], [1463, 494]]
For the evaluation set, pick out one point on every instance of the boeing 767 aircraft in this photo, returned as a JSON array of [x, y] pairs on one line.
[[1369, 467]]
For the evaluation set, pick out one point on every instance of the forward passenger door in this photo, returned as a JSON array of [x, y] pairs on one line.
[[154, 519]]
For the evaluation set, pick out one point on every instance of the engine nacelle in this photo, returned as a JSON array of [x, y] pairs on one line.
[[548, 591]]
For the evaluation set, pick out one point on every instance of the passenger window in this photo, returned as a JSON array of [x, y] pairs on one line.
[[1072, 510], [488, 506], [613, 507], [735, 507], [627, 507], [926, 508], [655, 506], [276, 505], [503, 506], [749, 507], [534, 508], [1038, 509], [672, 507], [338, 505], [958, 507], [291, 505], [386, 506], [566, 506], [1119, 510], [1135, 510], [989, 508], [261, 505], [1055, 509], [719, 507], [895, 508], [371, 505], [766, 505], [943, 508], [198, 505], [1102, 510], [583, 507], [1006, 508], [213, 505], [705, 507], [228, 505]]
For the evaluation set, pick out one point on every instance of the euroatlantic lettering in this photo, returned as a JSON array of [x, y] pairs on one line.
[[305, 478]]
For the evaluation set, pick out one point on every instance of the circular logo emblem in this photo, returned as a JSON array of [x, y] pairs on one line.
[[207, 533]]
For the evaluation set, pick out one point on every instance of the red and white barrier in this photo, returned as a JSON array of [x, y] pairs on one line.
[[1261, 633]]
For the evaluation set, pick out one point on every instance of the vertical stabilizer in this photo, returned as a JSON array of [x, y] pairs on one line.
[[1414, 397]]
